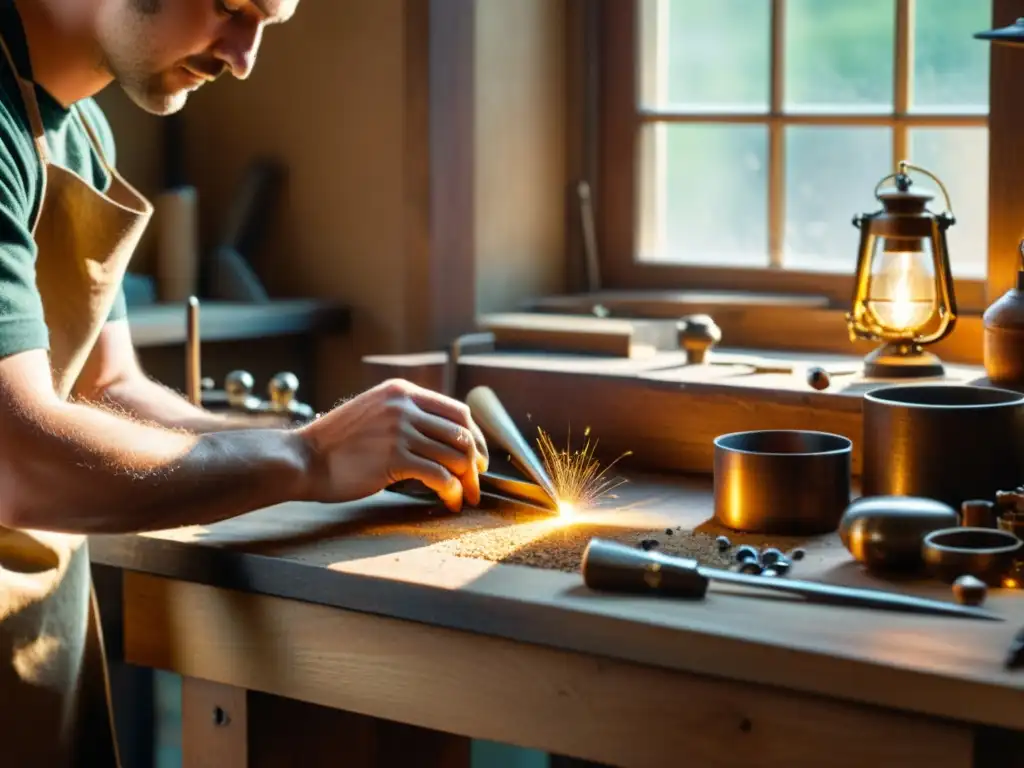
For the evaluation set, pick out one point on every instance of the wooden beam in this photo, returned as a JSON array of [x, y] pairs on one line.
[[1006, 148], [164, 324]]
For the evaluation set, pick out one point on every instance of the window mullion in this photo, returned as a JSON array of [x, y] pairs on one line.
[[776, 139], [903, 54]]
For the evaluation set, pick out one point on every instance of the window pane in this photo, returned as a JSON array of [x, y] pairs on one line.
[[704, 194], [958, 156], [831, 174], [839, 55], [950, 68], [698, 55]]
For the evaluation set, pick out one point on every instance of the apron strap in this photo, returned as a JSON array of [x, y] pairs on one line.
[[28, 95], [94, 137]]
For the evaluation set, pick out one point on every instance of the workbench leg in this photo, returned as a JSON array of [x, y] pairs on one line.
[[214, 725]]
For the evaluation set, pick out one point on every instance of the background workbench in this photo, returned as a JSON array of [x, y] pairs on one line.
[[372, 609]]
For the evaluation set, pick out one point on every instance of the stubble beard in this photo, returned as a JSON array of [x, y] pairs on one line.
[[138, 79]]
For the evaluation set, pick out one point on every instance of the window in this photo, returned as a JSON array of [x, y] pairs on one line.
[[741, 136]]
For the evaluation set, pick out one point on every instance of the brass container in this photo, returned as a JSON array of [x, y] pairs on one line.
[[1003, 339], [985, 553], [951, 443], [785, 482]]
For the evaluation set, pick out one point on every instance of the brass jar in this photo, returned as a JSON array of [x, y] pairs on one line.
[[1003, 345]]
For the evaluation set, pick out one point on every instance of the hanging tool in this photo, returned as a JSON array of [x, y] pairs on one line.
[[497, 425], [614, 567], [591, 265]]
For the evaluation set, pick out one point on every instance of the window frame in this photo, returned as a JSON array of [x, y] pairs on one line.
[[614, 59]]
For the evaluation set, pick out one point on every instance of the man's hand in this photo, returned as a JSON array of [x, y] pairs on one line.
[[397, 431]]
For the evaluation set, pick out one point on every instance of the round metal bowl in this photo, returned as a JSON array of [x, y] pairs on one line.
[[942, 441], [985, 553], [782, 481]]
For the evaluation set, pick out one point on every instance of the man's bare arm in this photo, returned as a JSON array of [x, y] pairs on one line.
[[113, 377], [77, 468]]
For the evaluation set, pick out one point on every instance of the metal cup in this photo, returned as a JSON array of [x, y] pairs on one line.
[[947, 442], [787, 482]]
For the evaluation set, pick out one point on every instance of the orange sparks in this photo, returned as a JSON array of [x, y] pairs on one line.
[[577, 475]]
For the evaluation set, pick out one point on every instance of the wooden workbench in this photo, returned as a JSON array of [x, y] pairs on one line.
[[350, 609]]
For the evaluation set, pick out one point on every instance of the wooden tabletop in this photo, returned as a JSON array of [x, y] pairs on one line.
[[407, 559]]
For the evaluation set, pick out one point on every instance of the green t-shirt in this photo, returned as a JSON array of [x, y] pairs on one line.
[[22, 326]]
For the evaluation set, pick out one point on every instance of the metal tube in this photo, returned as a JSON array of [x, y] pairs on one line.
[[193, 374]]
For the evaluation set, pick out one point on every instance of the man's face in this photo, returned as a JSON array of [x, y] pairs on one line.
[[161, 50]]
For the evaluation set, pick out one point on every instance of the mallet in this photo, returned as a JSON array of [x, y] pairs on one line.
[[497, 425], [613, 567]]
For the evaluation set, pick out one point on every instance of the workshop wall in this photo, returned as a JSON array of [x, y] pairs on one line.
[[333, 96], [520, 140]]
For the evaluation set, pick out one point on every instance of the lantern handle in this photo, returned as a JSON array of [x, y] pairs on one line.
[[902, 171]]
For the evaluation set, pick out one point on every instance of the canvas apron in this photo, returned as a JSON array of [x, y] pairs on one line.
[[54, 694]]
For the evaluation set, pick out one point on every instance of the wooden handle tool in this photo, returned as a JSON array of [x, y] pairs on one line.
[[614, 567], [494, 420]]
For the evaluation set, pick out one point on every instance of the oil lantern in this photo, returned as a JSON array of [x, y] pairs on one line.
[[903, 291]]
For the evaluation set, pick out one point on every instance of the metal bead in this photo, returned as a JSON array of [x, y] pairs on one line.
[[282, 389], [723, 543], [781, 566], [747, 553], [969, 590], [770, 556], [238, 386], [818, 378]]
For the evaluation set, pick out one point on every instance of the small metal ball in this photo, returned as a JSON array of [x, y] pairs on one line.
[[818, 378], [797, 554], [649, 544], [668, 531], [747, 554], [723, 543], [238, 386], [770, 556], [750, 566], [781, 566], [969, 590]]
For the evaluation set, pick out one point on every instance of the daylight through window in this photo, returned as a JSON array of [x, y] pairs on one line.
[[766, 124]]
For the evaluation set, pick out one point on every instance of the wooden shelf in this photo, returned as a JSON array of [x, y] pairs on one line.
[[164, 324]]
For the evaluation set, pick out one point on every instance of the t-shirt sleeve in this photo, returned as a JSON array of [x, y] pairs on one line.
[[22, 325]]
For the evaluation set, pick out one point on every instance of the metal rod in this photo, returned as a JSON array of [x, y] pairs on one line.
[[193, 374], [840, 595]]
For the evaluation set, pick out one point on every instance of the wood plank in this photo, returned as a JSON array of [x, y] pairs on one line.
[[163, 324], [663, 411], [482, 687], [769, 322], [214, 724], [380, 556]]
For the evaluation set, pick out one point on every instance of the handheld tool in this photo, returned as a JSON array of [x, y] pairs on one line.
[[614, 567], [497, 425]]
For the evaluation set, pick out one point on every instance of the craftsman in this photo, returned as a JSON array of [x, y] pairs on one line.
[[88, 444]]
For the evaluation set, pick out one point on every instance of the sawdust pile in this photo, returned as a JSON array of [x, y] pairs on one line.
[[554, 544]]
